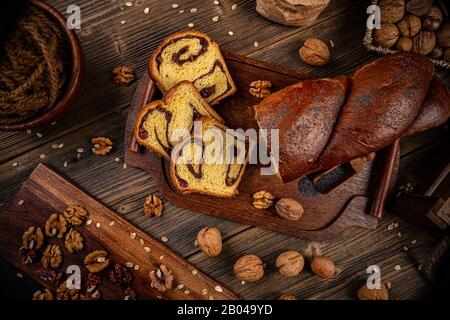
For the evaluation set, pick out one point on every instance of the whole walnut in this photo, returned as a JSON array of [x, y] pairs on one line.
[[404, 44], [364, 293], [315, 52], [443, 36], [419, 7], [249, 268], [323, 267], [287, 296], [424, 42], [289, 209], [290, 263], [387, 35], [392, 11], [209, 241], [437, 52], [433, 19], [409, 26]]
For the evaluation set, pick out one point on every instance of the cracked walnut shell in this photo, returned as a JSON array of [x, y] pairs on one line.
[[52, 256], [260, 88], [96, 261], [75, 215], [315, 52], [56, 225], [33, 238], [153, 206], [263, 200], [161, 279], [290, 263], [101, 146], [74, 241], [123, 75], [45, 295], [249, 268], [64, 293], [209, 241]]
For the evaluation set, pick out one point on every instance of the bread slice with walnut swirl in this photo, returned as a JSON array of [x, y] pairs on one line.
[[192, 56], [215, 175], [159, 124]]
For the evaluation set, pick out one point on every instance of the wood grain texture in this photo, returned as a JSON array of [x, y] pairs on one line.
[[102, 108], [46, 192]]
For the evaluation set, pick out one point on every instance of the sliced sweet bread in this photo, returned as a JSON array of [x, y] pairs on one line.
[[163, 123], [192, 56], [223, 155]]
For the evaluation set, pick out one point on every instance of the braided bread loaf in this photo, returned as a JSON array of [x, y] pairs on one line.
[[192, 56], [327, 122]]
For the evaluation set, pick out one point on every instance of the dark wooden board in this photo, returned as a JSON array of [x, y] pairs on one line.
[[325, 215], [46, 192]]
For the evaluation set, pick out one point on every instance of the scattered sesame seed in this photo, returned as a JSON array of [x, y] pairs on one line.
[[217, 3], [256, 44], [28, 131], [405, 248], [147, 249], [195, 243], [54, 146], [165, 239], [80, 150], [97, 225], [141, 241], [230, 33], [125, 166], [186, 291], [128, 3], [390, 227], [53, 123], [397, 268], [204, 292], [129, 264], [61, 145], [413, 241], [191, 25], [181, 11], [136, 267], [65, 164], [133, 235], [15, 164], [194, 10], [19, 275], [332, 43], [242, 282], [161, 257], [234, 7], [42, 156], [211, 298], [420, 267], [146, 10], [399, 234], [117, 159], [388, 285], [180, 286], [111, 223], [215, 19], [123, 21], [175, 5], [39, 135], [21, 202], [218, 288], [88, 222], [194, 272], [396, 225]]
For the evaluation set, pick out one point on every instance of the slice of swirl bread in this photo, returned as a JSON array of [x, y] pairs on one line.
[[192, 56], [215, 175], [163, 123]]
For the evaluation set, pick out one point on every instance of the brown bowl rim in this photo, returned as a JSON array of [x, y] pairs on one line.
[[75, 81]]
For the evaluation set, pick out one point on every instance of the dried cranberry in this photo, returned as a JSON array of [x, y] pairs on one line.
[[94, 280], [28, 255], [130, 294], [49, 275], [120, 275]]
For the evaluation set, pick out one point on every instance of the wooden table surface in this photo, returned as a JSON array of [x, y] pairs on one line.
[[101, 110]]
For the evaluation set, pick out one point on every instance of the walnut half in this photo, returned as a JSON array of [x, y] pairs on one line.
[[123, 75], [56, 226], [33, 238], [52, 256], [101, 146], [97, 261], [260, 88], [153, 206], [263, 200], [74, 241], [64, 293], [43, 295], [75, 215], [161, 279]]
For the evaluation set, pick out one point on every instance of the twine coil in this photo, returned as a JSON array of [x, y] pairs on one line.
[[33, 67]]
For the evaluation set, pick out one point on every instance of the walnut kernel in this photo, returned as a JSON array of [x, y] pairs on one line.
[[101, 146], [97, 261], [209, 241], [33, 238], [260, 88], [410, 26], [153, 206], [75, 215], [392, 10], [161, 279], [323, 267], [387, 35], [56, 225], [315, 52], [74, 241], [64, 293], [123, 75], [52, 256], [290, 263], [249, 268], [263, 200], [364, 293], [45, 295]]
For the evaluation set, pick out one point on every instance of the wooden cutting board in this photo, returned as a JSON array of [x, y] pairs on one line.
[[46, 192], [325, 215]]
